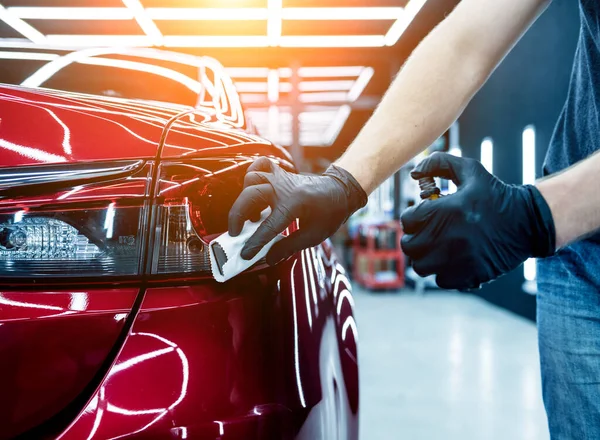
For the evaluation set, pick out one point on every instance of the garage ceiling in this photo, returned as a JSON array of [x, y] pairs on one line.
[[345, 51], [198, 23]]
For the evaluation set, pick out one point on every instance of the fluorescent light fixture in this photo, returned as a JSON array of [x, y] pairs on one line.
[[38, 56], [530, 269], [330, 72], [254, 98], [361, 83], [220, 14], [364, 13], [337, 125], [273, 86], [81, 41], [215, 41], [273, 128], [248, 72], [21, 26], [455, 151], [529, 155], [325, 86], [274, 22], [323, 97], [145, 22], [411, 9], [333, 41], [72, 13], [487, 154], [252, 87]]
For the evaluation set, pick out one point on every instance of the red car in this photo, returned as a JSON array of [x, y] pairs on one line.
[[111, 325]]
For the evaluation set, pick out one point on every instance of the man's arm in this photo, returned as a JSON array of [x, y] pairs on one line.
[[436, 83], [434, 86], [574, 199]]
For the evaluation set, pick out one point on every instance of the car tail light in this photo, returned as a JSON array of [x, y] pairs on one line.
[[107, 220], [192, 205], [70, 222]]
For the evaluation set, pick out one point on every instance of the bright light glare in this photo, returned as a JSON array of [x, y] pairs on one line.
[[338, 124], [455, 151], [410, 11], [71, 13], [145, 22], [329, 72], [274, 24], [365, 13], [273, 86], [333, 41], [208, 13], [215, 41], [361, 83], [487, 154], [38, 56], [325, 86], [529, 268], [21, 26], [324, 97], [529, 155]]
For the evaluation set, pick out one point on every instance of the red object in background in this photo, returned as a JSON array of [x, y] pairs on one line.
[[375, 250], [271, 354]]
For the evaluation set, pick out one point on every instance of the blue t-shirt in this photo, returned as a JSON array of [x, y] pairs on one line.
[[577, 133]]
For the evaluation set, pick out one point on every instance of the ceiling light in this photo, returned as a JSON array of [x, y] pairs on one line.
[[98, 40], [66, 13], [20, 26], [411, 9], [208, 13], [145, 22], [325, 86], [361, 83], [274, 22], [323, 97], [338, 124], [37, 56], [333, 41], [215, 41], [365, 13]]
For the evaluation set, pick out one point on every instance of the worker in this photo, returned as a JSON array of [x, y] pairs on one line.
[[487, 227]]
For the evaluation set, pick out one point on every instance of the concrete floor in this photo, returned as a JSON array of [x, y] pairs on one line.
[[446, 366]]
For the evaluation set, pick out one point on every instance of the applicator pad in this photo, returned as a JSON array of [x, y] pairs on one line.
[[225, 259]]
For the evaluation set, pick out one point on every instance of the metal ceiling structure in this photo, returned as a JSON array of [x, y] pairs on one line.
[[288, 58], [235, 23]]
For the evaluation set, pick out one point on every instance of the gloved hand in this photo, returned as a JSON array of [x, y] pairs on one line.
[[484, 230], [321, 203]]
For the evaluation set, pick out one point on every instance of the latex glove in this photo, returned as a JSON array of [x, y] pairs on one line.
[[484, 230], [321, 203]]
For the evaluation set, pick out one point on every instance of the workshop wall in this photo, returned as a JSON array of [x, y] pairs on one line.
[[529, 87]]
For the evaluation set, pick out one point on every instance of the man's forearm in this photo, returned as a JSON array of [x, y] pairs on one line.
[[574, 199], [435, 85]]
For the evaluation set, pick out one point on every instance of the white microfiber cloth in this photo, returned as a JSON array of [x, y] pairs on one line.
[[232, 247]]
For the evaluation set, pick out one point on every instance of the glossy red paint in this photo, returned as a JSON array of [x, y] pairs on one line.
[[52, 343], [77, 128], [262, 357], [270, 354]]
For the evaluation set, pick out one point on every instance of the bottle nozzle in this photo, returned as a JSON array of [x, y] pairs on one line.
[[428, 188]]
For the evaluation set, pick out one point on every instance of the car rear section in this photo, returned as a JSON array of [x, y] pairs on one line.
[[111, 325]]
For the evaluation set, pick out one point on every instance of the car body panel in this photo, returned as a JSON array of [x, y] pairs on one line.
[[270, 354], [253, 359], [52, 343], [71, 127]]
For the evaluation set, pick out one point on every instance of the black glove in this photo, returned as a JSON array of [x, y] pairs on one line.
[[321, 203], [484, 230]]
